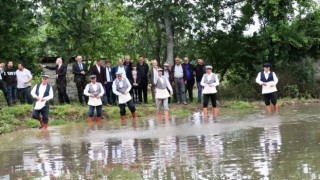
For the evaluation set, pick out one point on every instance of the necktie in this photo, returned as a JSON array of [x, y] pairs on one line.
[[81, 68]]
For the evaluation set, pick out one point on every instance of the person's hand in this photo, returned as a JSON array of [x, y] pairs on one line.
[[82, 72], [185, 82], [42, 99], [39, 98], [91, 96], [42, 65], [264, 84]]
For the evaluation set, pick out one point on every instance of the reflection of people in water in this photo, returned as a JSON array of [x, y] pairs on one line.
[[268, 80]]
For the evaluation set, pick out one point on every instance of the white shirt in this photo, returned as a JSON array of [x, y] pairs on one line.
[[123, 98], [22, 77], [108, 72], [209, 88], [98, 67], [155, 74], [123, 71], [163, 93], [178, 71], [42, 90], [166, 74], [270, 86], [93, 101]]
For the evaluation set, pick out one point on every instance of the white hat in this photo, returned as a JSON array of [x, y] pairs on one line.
[[208, 67], [119, 73]]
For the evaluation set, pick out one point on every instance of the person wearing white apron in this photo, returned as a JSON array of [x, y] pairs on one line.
[[121, 87], [162, 85], [209, 82], [94, 91]]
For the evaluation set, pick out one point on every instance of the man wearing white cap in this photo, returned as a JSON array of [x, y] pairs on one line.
[[42, 92], [209, 82], [121, 87], [94, 91], [268, 80], [162, 85]]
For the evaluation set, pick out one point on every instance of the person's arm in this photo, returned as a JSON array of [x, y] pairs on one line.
[[275, 80], [49, 67], [129, 86], [30, 77], [86, 91], [33, 92], [258, 79], [114, 88], [50, 95], [102, 90], [217, 81], [202, 82]]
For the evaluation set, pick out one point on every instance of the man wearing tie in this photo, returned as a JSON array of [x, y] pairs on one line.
[[111, 98], [80, 70], [61, 80], [98, 70]]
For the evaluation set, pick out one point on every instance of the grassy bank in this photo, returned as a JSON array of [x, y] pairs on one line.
[[19, 117]]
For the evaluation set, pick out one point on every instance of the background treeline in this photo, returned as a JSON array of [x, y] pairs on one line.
[[288, 36]]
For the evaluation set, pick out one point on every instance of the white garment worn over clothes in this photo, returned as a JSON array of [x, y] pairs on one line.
[[207, 89], [123, 98], [22, 77], [178, 71], [163, 93], [123, 71], [40, 104], [270, 86], [93, 101]]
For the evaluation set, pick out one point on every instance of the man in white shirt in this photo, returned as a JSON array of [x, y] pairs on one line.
[[94, 91], [268, 80], [42, 92], [24, 78], [121, 87]]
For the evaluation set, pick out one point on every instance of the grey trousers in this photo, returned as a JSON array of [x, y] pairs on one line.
[[162, 103], [180, 89]]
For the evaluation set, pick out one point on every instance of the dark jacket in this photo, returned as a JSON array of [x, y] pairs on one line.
[[10, 77], [126, 68], [190, 69], [172, 73], [137, 80], [78, 77], [111, 76], [101, 76], [200, 70], [61, 72], [143, 71]]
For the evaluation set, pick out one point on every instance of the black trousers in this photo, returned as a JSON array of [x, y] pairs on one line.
[[213, 98], [80, 87], [270, 97], [143, 89], [4, 90], [130, 106], [189, 90], [62, 94], [111, 98], [135, 93], [24, 94]]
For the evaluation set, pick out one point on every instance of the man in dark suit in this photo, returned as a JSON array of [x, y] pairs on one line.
[[143, 70], [61, 80], [190, 77], [111, 98], [80, 70], [99, 71]]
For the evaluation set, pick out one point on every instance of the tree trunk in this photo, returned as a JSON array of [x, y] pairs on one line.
[[158, 43], [169, 36]]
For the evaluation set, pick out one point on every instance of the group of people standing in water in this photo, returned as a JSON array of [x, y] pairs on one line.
[[126, 84]]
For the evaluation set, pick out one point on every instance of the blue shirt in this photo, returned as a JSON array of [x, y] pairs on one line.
[[188, 72]]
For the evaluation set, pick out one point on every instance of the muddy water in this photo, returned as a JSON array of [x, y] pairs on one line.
[[249, 145]]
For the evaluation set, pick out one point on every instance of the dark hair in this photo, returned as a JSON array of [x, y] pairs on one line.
[[10, 61], [98, 60], [108, 61], [141, 56], [200, 58]]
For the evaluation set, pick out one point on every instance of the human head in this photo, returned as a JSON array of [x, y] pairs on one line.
[[134, 66], [160, 72], [10, 64], [141, 59], [127, 59], [79, 59], [20, 66], [99, 62], [93, 79], [266, 67], [108, 63], [165, 66], [44, 79], [186, 60], [208, 69], [119, 75], [200, 60], [154, 63], [59, 61], [177, 60], [120, 62]]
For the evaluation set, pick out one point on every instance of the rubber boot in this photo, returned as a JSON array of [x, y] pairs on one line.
[[166, 115], [205, 113], [89, 120], [159, 116], [44, 126], [123, 120], [214, 112], [41, 122], [275, 108], [98, 120], [268, 109]]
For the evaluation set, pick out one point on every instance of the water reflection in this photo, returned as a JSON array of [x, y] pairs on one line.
[[252, 147]]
